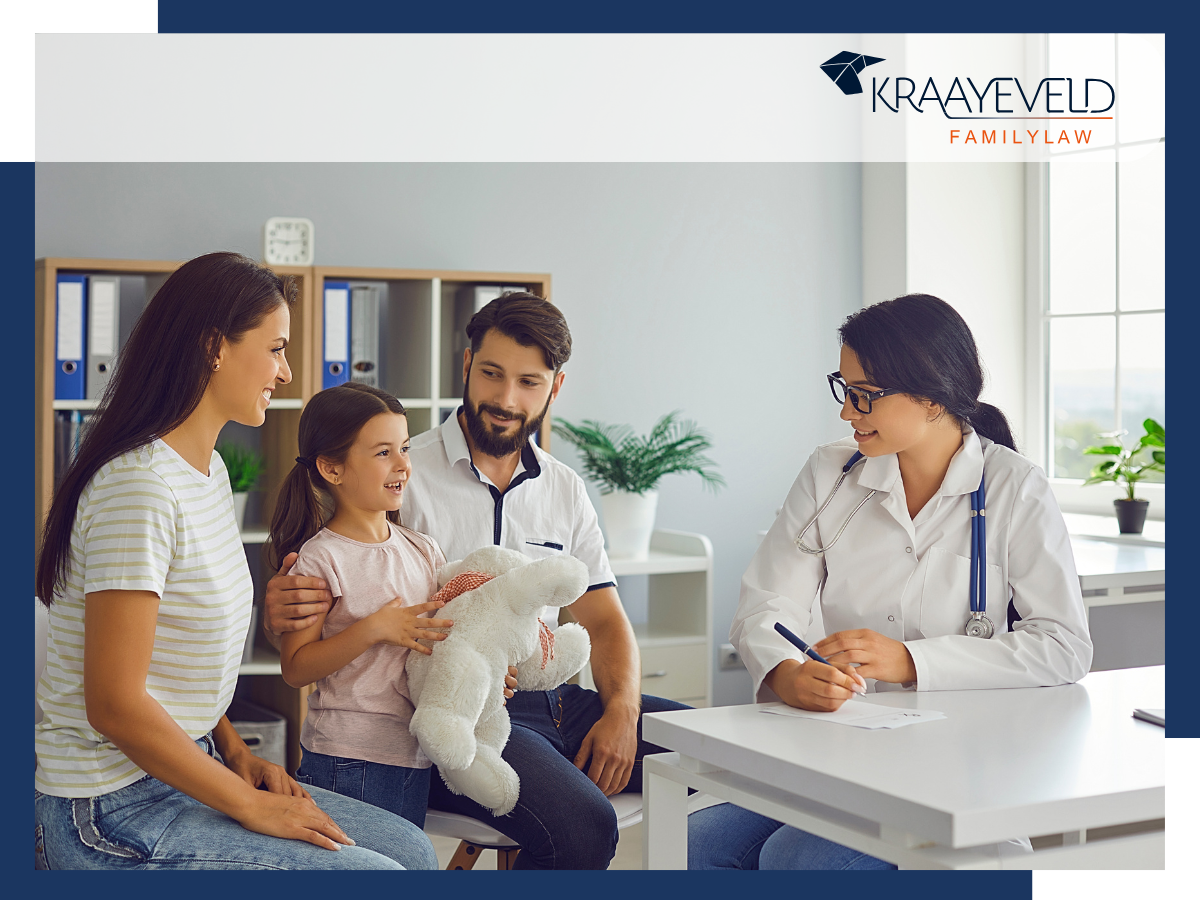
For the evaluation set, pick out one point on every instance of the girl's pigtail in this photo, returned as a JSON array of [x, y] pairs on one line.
[[298, 515]]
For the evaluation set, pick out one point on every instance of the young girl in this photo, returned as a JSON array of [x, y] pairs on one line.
[[354, 455], [884, 540], [144, 572]]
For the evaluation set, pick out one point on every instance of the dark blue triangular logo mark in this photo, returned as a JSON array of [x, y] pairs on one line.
[[843, 70]]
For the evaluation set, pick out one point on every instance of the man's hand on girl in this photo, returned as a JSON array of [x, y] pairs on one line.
[[293, 602], [402, 626], [877, 656]]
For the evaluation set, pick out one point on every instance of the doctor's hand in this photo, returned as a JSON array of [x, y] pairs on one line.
[[812, 685], [877, 656]]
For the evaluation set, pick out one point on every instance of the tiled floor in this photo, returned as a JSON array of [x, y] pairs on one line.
[[629, 851]]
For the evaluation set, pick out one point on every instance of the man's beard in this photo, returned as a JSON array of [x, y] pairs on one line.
[[488, 441]]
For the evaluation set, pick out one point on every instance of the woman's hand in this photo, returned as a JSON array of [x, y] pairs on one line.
[[813, 685], [297, 818], [402, 626], [510, 682], [877, 656], [259, 773]]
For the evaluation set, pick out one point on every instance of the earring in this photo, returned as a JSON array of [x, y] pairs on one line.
[[216, 367]]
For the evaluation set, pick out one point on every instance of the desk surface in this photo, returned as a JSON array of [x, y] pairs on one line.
[[1003, 764], [1100, 557]]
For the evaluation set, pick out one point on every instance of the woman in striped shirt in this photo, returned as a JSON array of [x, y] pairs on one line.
[[143, 570]]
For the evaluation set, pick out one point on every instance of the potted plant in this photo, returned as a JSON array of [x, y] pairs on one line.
[[244, 466], [628, 467], [1127, 467]]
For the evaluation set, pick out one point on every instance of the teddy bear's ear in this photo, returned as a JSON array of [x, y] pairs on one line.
[[448, 571]]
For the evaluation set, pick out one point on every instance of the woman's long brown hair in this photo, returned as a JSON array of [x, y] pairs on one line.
[[160, 378], [329, 426]]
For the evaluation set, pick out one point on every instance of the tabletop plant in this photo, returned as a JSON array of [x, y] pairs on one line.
[[619, 460], [245, 466], [1127, 465]]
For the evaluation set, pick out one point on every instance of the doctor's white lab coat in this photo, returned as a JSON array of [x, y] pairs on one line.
[[908, 579]]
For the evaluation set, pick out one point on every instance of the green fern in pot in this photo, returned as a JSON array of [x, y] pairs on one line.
[[628, 467], [245, 468]]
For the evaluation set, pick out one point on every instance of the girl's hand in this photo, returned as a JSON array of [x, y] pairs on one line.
[[298, 818], [402, 626], [813, 685], [259, 773], [877, 656], [510, 682]]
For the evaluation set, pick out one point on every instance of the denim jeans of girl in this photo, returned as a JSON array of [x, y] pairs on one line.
[[149, 825], [397, 789]]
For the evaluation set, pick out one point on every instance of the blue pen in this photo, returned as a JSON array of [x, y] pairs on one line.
[[805, 648]]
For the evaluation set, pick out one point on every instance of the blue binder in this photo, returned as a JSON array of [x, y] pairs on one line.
[[70, 333], [336, 366]]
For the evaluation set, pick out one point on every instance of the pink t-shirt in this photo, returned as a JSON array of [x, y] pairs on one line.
[[363, 709]]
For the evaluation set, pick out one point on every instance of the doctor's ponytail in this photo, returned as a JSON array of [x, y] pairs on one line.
[[919, 344]]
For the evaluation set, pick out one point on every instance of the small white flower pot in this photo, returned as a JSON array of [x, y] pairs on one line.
[[629, 522], [239, 509]]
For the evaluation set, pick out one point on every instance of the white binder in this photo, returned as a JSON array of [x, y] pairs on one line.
[[104, 320]]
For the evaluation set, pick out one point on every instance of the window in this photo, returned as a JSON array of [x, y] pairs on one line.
[[1103, 309]]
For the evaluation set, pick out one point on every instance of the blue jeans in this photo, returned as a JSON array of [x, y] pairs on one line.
[[149, 825], [562, 820], [729, 837], [397, 789]]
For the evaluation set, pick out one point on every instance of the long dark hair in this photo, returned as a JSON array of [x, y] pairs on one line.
[[329, 426], [919, 344], [161, 377]]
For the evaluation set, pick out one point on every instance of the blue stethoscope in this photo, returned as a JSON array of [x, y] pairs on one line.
[[979, 625]]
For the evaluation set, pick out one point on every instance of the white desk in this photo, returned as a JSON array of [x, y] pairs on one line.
[[1003, 764], [1113, 573]]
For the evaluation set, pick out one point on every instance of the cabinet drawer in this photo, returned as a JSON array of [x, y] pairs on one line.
[[675, 671]]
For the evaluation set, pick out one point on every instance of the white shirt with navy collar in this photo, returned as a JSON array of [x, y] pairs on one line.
[[544, 512]]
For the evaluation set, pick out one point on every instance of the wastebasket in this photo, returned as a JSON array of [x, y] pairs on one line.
[[263, 730]]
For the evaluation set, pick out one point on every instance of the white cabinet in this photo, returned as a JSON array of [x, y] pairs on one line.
[[675, 638]]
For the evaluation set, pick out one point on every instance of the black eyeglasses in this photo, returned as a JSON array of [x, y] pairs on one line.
[[859, 399]]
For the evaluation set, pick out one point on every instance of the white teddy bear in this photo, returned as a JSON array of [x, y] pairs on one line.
[[458, 692]]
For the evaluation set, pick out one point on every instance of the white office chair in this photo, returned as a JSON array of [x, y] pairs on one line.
[[475, 837]]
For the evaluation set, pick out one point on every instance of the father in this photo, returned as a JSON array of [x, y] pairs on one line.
[[479, 480]]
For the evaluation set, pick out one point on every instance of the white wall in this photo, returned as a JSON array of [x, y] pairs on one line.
[[966, 244], [716, 289]]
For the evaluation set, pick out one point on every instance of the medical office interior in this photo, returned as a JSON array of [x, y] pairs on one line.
[[715, 290]]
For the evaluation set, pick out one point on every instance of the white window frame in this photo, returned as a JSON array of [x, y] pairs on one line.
[[1070, 493]]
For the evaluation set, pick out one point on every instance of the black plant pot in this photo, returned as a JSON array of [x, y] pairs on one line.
[[1131, 515]]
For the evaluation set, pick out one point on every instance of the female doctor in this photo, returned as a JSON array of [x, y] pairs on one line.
[[887, 545]]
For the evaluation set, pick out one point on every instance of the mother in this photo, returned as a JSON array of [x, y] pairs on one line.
[[143, 570]]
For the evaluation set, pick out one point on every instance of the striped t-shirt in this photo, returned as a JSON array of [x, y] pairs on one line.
[[147, 521]]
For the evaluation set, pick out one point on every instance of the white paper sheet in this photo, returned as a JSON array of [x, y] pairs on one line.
[[861, 714]]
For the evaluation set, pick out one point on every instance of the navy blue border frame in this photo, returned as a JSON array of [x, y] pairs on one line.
[[221, 16], [657, 16]]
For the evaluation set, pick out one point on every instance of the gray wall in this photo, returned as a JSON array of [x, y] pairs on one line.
[[715, 289]]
